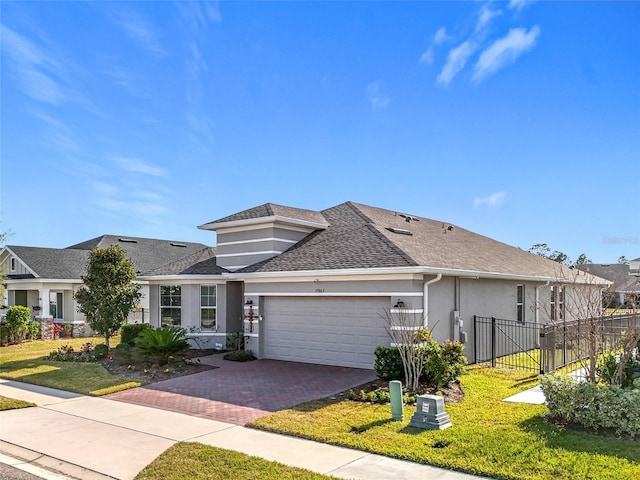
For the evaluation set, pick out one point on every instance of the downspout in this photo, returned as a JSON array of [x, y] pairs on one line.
[[425, 298], [538, 300]]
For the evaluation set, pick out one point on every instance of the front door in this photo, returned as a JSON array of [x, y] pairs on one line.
[[20, 298]]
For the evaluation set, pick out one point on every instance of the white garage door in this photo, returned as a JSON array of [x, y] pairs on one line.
[[328, 331]]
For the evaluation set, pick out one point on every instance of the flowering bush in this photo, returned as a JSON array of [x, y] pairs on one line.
[[56, 331]]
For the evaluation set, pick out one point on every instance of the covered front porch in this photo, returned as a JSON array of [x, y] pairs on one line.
[[49, 304]]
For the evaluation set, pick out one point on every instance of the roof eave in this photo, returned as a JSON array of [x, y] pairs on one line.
[[256, 221], [419, 270], [198, 277]]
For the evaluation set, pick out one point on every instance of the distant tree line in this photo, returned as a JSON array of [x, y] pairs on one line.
[[543, 250]]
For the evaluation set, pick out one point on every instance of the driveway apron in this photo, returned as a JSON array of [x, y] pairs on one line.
[[240, 392]]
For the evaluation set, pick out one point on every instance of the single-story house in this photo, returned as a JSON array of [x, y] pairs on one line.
[[45, 279], [324, 286], [625, 280]]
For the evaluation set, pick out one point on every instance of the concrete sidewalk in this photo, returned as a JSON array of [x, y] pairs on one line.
[[97, 439]]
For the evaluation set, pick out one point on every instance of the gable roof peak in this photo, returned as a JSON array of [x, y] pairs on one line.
[[270, 212]]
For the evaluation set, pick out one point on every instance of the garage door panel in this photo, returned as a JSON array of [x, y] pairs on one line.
[[332, 330]]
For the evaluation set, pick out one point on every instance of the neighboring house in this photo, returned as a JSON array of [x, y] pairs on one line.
[[634, 267], [45, 279], [316, 286], [625, 279], [319, 287]]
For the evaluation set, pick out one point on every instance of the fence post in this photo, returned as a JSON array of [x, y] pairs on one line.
[[475, 341], [493, 342]]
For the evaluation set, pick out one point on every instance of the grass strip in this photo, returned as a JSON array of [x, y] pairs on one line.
[[195, 461], [7, 403]]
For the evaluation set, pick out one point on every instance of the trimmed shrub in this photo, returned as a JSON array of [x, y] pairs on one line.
[[4, 334], [162, 343], [388, 364], [33, 330], [129, 333], [101, 350], [606, 369], [444, 363], [122, 353], [239, 356], [18, 318], [593, 406], [235, 340]]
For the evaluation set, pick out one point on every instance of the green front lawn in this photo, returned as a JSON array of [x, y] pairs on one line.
[[7, 403], [489, 437], [194, 461], [25, 363]]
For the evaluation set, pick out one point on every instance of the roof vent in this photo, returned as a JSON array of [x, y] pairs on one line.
[[127, 240], [409, 218], [400, 231], [173, 244]]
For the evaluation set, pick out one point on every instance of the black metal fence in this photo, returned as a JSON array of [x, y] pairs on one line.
[[546, 348], [507, 343], [574, 341]]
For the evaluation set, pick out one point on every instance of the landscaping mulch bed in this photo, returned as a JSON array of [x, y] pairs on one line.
[[149, 372], [452, 393]]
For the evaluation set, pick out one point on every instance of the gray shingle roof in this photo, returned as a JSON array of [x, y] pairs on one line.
[[272, 209], [53, 262], [202, 262], [147, 254], [70, 263], [618, 273], [358, 238], [632, 286]]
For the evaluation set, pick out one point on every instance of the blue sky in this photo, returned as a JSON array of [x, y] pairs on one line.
[[518, 120]]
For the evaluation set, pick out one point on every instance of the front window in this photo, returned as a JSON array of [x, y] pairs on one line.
[[520, 303], [55, 305], [170, 305], [207, 307], [13, 265]]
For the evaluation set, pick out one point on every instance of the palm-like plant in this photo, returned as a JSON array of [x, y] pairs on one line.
[[162, 342]]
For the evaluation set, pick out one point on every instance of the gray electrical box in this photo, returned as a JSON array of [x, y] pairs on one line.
[[430, 413]]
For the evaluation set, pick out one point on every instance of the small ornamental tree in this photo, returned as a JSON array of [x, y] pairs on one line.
[[108, 293]]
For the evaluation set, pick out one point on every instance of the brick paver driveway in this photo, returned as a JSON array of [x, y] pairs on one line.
[[241, 392]]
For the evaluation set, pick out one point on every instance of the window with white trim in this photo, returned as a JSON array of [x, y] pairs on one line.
[[520, 303], [170, 305], [557, 303], [208, 307], [13, 264]]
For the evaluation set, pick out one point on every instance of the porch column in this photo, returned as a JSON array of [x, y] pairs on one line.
[[43, 301]]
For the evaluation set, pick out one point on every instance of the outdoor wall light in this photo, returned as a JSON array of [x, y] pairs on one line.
[[399, 304], [249, 302]]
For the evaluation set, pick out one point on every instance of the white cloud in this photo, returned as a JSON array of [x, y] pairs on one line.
[[456, 61], [135, 165], [199, 15], [486, 15], [519, 4], [505, 51], [36, 68], [139, 31], [492, 201], [377, 99], [439, 37], [427, 57]]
